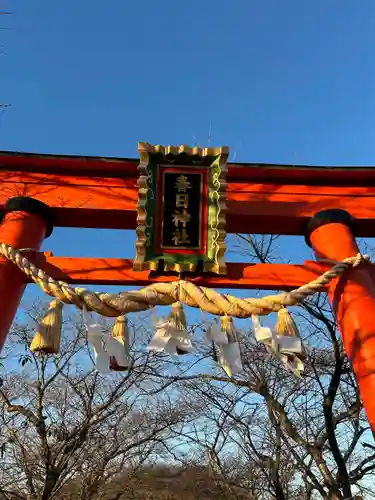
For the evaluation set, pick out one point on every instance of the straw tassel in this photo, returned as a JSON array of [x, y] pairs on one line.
[[286, 346], [178, 316], [178, 319], [227, 326], [285, 324], [287, 327], [48, 335], [120, 334]]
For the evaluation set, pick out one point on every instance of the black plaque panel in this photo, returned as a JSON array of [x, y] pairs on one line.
[[182, 210]]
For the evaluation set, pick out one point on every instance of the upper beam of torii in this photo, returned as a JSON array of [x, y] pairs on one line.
[[96, 192]]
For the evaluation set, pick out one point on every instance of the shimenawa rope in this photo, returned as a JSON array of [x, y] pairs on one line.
[[206, 299]]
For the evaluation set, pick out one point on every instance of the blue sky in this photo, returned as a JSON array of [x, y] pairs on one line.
[[278, 81]]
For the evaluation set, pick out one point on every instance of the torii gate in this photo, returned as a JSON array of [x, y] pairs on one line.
[[329, 206]]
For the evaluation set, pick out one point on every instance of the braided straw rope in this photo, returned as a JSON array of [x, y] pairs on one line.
[[209, 300]]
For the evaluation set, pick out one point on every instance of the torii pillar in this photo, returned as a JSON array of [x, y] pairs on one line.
[[330, 234], [27, 222]]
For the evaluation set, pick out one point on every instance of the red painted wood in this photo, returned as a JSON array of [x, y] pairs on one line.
[[110, 202], [353, 302], [245, 172], [20, 230], [101, 271], [273, 199]]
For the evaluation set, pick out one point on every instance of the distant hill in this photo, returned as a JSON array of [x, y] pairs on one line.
[[162, 483]]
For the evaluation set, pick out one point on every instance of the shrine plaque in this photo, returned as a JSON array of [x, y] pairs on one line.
[[181, 209]]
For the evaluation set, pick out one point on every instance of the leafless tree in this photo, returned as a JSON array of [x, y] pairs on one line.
[[276, 435], [64, 424]]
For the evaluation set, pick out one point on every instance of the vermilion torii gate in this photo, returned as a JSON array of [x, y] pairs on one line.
[[329, 206]]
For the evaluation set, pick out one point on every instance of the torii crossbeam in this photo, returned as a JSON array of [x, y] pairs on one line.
[[92, 192]]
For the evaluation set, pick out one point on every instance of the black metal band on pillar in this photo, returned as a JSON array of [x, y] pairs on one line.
[[31, 206], [331, 216]]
